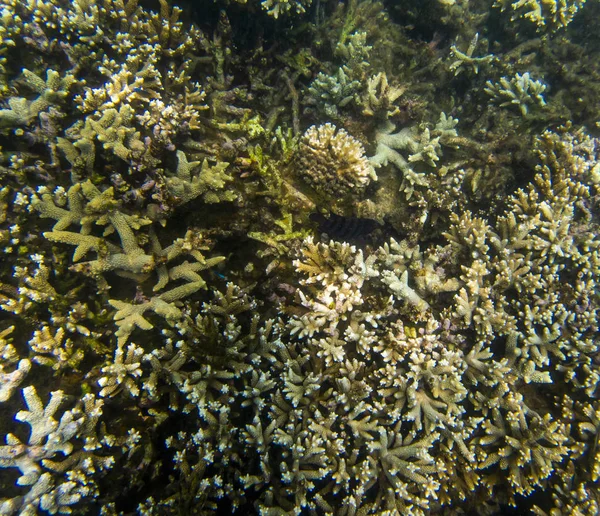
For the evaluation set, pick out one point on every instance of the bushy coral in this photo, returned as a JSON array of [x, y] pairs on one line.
[[555, 14], [331, 93], [520, 91], [333, 162], [277, 8]]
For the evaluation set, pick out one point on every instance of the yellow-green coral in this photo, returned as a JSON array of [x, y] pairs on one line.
[[554, 14], [53, 90]]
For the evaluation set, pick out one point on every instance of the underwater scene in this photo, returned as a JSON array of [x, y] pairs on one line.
[[300, 257]]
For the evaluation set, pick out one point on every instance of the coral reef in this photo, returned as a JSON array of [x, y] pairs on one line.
[[294, 257]]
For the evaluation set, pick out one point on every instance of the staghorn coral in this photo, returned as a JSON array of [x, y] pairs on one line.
[[341, 324], [419, 387], [113, 130], [122, 372], [330, 93], [10, 381], [424, 147], [555, 14], [56, 351], [48, 438], [464, 60], [88, 206], [520, 91], [355, 53], [52, 91], [130, 316], [277, 8], [208, 183], [429, 185], [379, 97]]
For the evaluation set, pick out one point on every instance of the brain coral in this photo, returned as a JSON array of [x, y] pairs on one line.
[[333, 162]]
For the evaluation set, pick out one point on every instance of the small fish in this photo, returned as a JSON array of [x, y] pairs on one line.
[[347, 229], [218, 275]]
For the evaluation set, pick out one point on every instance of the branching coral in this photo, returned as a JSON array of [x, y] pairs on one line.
[[10, 381], [49, 438], [56, 351], [379, 97], [52, 91], [424, 148], [330, 93], [208, 183], [464, 60], [186, 342], [520, 91], [277, 8], [554, 14], [525, 444]]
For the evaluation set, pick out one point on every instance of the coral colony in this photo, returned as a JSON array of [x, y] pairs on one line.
[[286, 257]]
